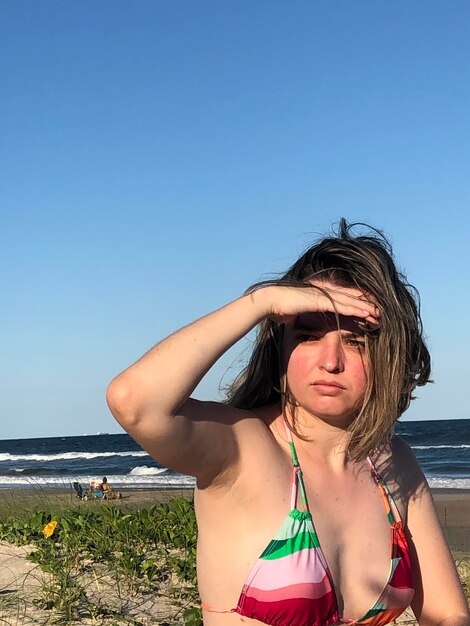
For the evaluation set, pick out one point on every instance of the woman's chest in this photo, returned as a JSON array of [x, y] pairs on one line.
[[355, 543]]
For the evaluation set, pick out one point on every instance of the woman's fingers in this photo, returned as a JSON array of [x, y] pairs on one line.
[[353, 304], [292, 301]]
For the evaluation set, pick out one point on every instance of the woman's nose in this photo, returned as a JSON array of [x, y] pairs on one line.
[[331, 358]]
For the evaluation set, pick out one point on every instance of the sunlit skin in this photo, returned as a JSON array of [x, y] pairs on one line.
[[243, 464]]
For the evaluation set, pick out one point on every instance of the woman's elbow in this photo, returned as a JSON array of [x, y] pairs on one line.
[[121, 402]]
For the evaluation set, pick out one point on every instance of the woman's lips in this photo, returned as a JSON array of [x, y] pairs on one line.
[[328, 387]]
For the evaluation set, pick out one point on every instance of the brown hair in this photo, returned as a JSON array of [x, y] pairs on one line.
[[398, 357]]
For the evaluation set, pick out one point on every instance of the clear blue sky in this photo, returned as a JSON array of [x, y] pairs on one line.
[[158, 157]]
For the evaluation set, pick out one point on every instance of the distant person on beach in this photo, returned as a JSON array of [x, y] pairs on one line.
[[310, 511], [108, 491]]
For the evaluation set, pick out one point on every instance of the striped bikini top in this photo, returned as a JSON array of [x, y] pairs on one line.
[[291, 584]]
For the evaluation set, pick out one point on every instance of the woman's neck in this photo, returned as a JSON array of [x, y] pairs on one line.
[[321, 439]]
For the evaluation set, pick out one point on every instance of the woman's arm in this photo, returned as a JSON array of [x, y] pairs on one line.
[[151, 399], [439, 599]]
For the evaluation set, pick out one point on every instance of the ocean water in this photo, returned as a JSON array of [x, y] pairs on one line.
[[58, 461], [441, 446]]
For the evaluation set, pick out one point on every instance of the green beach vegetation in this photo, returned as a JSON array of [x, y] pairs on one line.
[[105, 564]]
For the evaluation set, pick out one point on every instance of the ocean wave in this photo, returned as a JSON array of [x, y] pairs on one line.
[[6, 456], [464, 445], [40, 471], [438, 482], [143, 470]]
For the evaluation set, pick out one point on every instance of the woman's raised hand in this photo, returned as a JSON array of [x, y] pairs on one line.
[[284, 303]]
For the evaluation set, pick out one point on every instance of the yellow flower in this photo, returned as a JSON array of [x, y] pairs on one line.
[[48, 529]]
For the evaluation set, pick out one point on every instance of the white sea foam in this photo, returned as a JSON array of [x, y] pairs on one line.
[[449, 483], [135, 481], [464, 445], [6, 456], [143, 470]]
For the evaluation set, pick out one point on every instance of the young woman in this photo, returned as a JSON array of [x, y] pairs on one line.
[[310, 511]]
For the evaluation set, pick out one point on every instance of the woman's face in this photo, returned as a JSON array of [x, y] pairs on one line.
[[326, 367]]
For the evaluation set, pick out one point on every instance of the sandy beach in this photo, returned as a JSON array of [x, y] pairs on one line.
[[453, 507], [20, 577], [22, 581]]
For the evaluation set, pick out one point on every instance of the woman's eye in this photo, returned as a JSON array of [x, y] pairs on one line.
[[356, 343], [305, 337]]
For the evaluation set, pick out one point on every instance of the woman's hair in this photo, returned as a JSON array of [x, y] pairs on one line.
[[398, 358]]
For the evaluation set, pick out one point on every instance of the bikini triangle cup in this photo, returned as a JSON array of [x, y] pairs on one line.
[[291, 584]]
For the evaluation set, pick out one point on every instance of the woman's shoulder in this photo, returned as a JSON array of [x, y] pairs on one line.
[[401, 452], [259, 449], [397, 454], [399, 468], [404, 460], [261, 419]]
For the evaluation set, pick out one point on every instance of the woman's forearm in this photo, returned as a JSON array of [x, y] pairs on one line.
[[164, 378]]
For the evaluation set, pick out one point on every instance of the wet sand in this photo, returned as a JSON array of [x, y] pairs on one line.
[[453, 508]]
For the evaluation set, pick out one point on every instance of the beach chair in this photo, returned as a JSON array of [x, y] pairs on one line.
[[95, 491], [82, 494]]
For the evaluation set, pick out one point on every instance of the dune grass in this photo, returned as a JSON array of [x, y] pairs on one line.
[[112, 565]]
